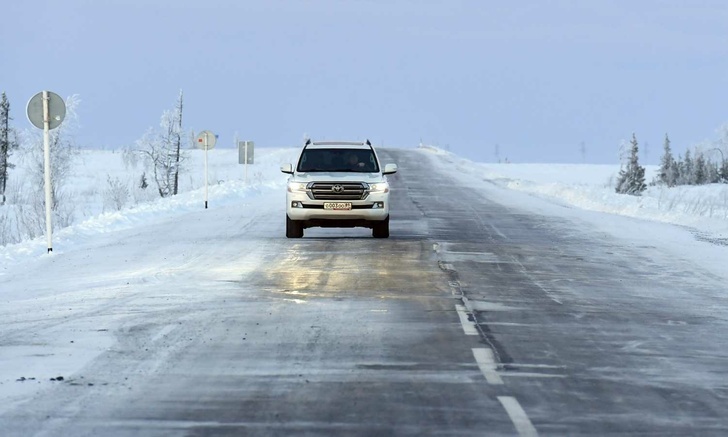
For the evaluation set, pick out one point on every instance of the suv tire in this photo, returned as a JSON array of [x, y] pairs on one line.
[[294, 228], [381, 229]]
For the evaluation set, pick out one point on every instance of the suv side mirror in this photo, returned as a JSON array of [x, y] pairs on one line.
[[390, 169], [287, 168]]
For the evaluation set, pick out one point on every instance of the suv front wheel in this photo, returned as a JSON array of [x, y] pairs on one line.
[[294, 228], [381, 229]]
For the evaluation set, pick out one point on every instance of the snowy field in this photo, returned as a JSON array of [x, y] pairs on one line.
[[98, 208]]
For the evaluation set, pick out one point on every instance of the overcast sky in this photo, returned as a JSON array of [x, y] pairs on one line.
[[536, 78]]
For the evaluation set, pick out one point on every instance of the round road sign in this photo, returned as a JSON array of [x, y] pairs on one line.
[[56, 110], [206, 138]]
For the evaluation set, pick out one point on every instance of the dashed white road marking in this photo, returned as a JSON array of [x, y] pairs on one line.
[[534, 375], [486, 362], [468, 326], [519, 417]]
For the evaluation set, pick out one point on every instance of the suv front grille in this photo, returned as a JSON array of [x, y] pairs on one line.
[[338, 191]]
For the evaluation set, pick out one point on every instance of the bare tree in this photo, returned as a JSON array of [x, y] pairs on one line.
[[176, 139], [162, 149], [8, 143]]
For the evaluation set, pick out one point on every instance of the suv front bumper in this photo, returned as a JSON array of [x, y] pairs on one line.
[[374, 208]]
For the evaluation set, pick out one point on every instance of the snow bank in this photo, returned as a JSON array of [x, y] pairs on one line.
[[227, 186]]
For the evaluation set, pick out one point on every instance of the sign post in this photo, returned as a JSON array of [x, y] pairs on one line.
[[206, 140], [246, 155], [46, 110]]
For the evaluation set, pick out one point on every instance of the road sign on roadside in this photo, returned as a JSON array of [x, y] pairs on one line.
[[46, 110], [56, 110], [206, 140], [246, 152]]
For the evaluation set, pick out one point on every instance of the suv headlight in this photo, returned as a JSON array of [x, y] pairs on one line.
[[296, 187], [381, 187]]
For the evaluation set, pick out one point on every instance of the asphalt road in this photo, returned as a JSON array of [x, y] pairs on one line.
[[474, 318]]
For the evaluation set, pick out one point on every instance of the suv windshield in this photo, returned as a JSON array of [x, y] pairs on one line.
[[343, 160]]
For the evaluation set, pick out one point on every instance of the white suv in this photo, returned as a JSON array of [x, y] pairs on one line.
[[337, 185]]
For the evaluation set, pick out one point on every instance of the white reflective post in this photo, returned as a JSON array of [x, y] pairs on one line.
[[47, 170], [205, 171]]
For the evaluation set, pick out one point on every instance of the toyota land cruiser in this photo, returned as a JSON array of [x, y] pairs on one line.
[[339, 185]]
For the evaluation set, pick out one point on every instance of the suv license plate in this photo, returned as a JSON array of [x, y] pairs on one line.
[[338, 206]]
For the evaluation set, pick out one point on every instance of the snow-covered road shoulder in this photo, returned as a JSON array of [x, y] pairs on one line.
[[591, 187], [689, 221]]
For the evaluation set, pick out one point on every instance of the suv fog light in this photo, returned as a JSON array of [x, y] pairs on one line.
[[296, 205], [378, 205]]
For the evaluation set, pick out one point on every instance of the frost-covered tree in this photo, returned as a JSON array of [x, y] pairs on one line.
[[687, 169], [712, 172], [162, 150], [722, 146], [8, 143], [668, 169], [723, 172], [700, 175], [632, 178], [675, 168]]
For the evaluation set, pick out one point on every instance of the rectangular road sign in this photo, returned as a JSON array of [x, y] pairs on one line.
[[242, 146]]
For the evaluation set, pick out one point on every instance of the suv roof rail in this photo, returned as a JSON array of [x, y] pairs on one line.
[[334, 143], [343, 143]]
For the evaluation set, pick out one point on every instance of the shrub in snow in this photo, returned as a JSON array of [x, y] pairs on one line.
[[6, 236], [130, 158], [116, 194], [143, 184], [31, 214]]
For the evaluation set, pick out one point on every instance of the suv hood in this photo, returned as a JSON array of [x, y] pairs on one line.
[[338, 177]]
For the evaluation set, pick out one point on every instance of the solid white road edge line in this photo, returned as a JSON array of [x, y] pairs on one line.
[[519, 417], [486, 362], [468, 326]]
